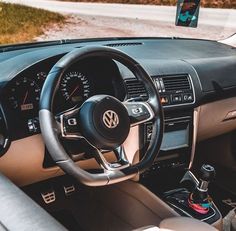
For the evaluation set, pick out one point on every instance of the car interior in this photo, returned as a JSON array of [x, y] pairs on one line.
[[118, 134]]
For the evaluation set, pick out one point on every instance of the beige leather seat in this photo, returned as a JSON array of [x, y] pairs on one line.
[[233, 224], [180, 224]]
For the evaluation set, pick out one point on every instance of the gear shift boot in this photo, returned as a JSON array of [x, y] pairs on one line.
[[179, 200]]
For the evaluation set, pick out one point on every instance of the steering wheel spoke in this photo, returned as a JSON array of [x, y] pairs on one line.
[[121, 163], [139, 112], [121, 155], [69, 124]]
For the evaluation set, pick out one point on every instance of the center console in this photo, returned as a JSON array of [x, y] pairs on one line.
[[178, 97], [169, 177]]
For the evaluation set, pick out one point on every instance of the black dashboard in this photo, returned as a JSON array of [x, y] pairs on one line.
[[187, 73]]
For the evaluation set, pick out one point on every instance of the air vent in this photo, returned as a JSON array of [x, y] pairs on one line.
[[124, 44], [136, 88], [176, 83], [175, 90]]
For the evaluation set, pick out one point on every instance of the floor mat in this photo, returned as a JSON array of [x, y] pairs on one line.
[[66, 219], [226, 178], [224, 200]]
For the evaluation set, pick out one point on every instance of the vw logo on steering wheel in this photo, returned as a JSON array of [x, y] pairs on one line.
[[110, 119]]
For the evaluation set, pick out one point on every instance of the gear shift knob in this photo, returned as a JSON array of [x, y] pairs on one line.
[[207, 172]]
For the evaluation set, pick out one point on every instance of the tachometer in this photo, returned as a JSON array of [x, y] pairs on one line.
[[24, 95], [75, 87]]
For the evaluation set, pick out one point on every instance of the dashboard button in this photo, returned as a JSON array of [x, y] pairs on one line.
[[162, 85], [188, 97], [33, 125], [165, 100], [158, 86], [176, 99]]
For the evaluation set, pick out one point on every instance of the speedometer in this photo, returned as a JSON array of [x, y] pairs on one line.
[[75, 87], [24, 95]]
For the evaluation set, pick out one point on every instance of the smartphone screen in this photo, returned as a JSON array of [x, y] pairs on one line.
[[187, 13]]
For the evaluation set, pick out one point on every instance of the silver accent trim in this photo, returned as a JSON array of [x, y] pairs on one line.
[[186, 213], [49, 197], [122, 162], [5, 142], [194, 177], [195, 130], [203, 186], [110, 119], [178, 118], [69, 190]]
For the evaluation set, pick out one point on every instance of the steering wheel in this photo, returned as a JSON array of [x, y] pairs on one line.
[[102, 120]]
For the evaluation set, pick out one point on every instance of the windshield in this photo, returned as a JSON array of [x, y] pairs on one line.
[[42, 20]]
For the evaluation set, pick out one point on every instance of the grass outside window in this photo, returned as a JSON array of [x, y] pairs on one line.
[[21, 24]]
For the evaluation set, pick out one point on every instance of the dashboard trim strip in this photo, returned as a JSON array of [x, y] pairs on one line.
[[195, 131]]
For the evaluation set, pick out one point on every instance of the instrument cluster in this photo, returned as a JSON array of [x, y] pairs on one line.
[[21, 94]]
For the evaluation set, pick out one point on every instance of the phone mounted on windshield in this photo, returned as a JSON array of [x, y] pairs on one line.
[[187, 13]]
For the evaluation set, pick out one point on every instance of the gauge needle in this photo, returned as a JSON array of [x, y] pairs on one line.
[[26, 95], [73, 91]]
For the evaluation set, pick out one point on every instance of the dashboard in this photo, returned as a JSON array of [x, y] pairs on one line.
[[195, 78]]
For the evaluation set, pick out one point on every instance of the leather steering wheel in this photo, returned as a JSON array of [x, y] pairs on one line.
[[102, 120]]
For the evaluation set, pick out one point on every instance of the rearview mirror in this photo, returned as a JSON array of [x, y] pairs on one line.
[[187, 13]]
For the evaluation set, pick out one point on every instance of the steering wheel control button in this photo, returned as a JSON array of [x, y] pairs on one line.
[[104, 121], [110, 119], [138, 112], [70, 124]]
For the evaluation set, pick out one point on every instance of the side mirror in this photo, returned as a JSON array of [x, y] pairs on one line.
[[187, 13]]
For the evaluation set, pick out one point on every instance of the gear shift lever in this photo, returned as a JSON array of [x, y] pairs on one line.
[[192, 198], [199, 200]]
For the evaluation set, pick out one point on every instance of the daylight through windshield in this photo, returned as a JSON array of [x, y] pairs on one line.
[[42, 20]]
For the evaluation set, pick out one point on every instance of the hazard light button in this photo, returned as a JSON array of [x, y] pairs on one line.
[[165, 100]]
